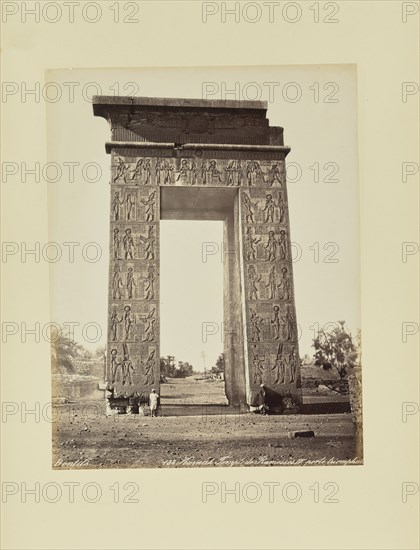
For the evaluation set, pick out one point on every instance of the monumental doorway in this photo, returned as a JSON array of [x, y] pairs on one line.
[[196, 159]]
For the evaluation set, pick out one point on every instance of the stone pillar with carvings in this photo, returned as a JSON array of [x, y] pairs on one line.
[[133, 367], [270, 328]]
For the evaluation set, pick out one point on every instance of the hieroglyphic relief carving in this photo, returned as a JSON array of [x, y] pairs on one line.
[[149, 243], [256, 322], [116, 205], [130, 283], [150, 205], [129, 321], [271, 284], [133, 276], [251, 243], [250, 208], [292, 365], [130, 206], [254, 279], [128, 244], [117, 244], [279, 366], [190, 171], [121, 171], [284, 285], [149, 322], [258, 368], [275, 322], [117, 283], [149, 368], [149, 288], [289, 324]]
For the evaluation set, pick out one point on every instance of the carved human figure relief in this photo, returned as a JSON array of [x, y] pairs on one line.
[[292, 365], [239, 173], [128, 322], [279, 367], [283, 245], [256, 322], [115, 320], [194, 172], [269, 209], [149, 241], [271, 284], [117, 284], [136, 172], [150, 207], [128, 243], [281, 205], [149, 330], [258, 369], [130, 206], [115, 366], [251, 241], [164, 172], [251, 173], [159, 170], [121, 172], [253, 279], [130, 283], [214, 172], [117, 244], [249, 217], [149, 288], [271, 247], [230, 170], [275, 322], [147, 172], [276, 174], [284, 285], [184, 171], [289, 323], [149, 368], [127, 367], [203, 170], [116, 204]]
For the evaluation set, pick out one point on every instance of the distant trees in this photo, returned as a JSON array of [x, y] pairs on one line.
[[69, 357], [335, 349], [219, 367], [170, 368], [63, 352], [183, 370]]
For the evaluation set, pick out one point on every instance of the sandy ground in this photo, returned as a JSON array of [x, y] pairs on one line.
[[83, 437]]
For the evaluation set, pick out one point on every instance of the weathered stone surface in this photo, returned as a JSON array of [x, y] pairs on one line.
[[196, 159], [187, 120]]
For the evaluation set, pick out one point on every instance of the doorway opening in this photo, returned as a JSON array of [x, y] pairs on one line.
[[191, 283]]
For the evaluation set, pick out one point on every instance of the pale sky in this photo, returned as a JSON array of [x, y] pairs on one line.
[[322, 134]]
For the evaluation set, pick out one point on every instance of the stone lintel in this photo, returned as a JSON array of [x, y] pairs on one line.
[[101, 103], [193, 146]]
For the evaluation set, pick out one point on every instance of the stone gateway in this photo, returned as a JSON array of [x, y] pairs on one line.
[[189, 159]]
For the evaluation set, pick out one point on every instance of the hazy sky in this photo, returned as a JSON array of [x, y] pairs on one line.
[[316, 105]]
